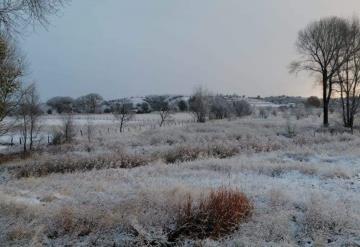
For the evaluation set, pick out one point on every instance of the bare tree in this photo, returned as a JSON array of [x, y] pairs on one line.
[[30, 112], [348, 77], [11, 71], [165, 113], [199, 104], [17, 13], [323, 50], [123, 113], [68, 128], [242, 108], [89, 131]]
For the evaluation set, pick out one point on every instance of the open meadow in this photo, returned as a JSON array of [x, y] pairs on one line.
[[296, 183]]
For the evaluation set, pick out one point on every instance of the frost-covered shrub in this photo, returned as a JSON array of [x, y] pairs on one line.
[[324, 218], [257, 146], [214, 216]]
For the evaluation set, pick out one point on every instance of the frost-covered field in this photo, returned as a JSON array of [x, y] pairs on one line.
[[124, 189]]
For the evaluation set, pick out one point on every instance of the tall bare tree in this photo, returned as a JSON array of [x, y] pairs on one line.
[[348, 76], [323, 50]]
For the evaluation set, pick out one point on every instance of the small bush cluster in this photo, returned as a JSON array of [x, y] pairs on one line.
[[186, 153], [214, 216], [43, 167]]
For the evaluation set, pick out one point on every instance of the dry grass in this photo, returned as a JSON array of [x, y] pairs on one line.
[[216, 215]]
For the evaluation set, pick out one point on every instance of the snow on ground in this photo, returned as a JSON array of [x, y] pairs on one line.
[[305, 189]]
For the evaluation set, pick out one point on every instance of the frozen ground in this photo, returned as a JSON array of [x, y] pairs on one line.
[[305, 187]]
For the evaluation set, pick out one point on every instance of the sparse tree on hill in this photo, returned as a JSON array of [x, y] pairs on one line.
[[348, 77], [165, 113], [123, 113], [11, 71]]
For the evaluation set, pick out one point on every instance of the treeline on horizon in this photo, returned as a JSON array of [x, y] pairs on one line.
[[94, 103]]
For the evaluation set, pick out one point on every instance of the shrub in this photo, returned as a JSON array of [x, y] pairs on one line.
[[44, 167], [183, 153], [223, 151], [213, 216], [199, 104], [183, 105], [57, 138], [313, 101]]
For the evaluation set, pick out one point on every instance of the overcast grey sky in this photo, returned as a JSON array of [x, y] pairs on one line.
[[138, 47]]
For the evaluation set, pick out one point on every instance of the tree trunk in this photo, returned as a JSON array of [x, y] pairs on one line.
[[121, 126], [325, 100], [31, 134]]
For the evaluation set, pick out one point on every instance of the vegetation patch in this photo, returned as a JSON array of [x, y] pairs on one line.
[[44, 167], [214, 216], [186, 153]]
